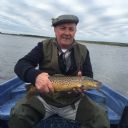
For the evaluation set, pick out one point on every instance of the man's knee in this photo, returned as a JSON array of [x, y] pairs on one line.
[[25, 114], [92, 115]]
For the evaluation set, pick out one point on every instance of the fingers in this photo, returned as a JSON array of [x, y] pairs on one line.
[[78, 90], [43, 84], [79, 73], [50, 87]]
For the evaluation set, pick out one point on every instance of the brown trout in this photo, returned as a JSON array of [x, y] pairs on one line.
[[68, 83]]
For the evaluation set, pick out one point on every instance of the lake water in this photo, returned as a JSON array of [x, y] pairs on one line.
[[110, 63]]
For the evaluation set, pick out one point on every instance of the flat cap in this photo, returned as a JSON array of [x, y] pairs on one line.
[[64, 19]]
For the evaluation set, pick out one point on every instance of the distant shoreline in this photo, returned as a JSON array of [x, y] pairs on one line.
[[82, 41], [106, 43]]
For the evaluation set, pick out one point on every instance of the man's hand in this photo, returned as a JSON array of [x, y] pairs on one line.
[[79, 89], [43, 84], [79, 74]]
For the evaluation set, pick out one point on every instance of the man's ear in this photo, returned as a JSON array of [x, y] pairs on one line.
[[54, 29]]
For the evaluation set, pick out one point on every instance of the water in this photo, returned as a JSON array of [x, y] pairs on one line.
[[110, 63]]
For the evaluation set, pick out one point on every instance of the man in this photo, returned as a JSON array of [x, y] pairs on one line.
[[59, 55]]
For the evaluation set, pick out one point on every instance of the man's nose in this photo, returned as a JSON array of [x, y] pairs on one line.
[[67, 32]]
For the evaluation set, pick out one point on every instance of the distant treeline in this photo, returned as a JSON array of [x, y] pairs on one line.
[[28, 35], [83, 41], [105, 43]]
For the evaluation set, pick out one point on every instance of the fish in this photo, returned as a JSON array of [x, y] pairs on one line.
[[68, 83]]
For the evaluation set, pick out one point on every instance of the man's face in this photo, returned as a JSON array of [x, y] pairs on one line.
[[65, 34]]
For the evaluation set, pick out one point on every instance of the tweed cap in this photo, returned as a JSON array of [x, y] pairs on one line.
[[64, 19]]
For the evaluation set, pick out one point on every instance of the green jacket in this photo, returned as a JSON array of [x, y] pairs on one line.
[[50, 56]]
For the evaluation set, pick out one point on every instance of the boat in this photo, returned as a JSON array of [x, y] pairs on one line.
[[116, 105]]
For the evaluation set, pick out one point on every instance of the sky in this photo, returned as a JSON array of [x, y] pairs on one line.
[[100, 20]]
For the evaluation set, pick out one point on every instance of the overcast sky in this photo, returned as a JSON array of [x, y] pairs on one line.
[[101, 20]]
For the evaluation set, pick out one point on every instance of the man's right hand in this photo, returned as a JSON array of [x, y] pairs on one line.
[[43, 84]]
